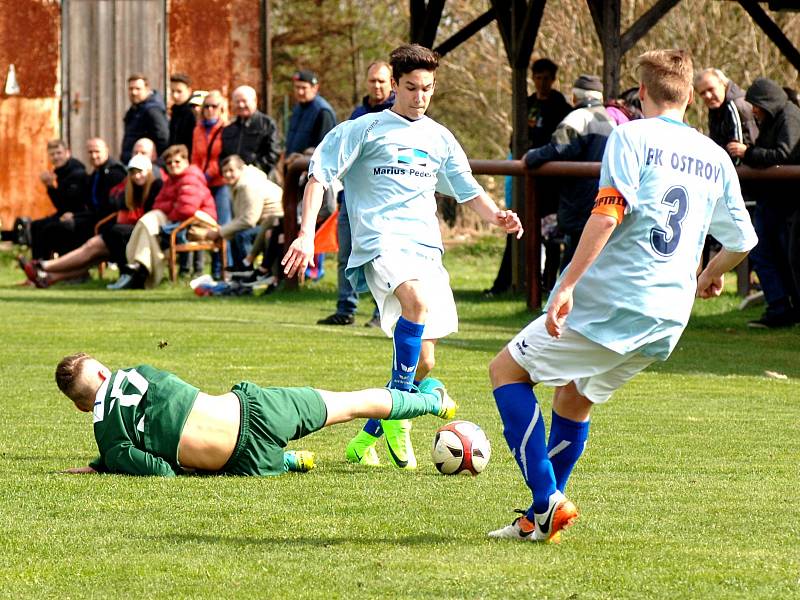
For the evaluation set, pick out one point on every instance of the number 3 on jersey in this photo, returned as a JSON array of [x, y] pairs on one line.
[[665, 240]]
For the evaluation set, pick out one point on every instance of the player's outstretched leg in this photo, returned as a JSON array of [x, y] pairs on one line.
[[382, 403]]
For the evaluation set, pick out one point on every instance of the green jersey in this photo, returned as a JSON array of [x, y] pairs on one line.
[[139, 414]]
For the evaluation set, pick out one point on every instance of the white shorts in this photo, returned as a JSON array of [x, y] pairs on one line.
[[387, 271], [596, 370]]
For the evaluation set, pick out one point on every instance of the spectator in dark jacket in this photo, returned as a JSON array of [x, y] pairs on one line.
[[581, 136], [730, 117], [66, 187], [182, 114], [252, 134], [73, 229], [777, 207], [547, 107], [147, 117], [312, 116]]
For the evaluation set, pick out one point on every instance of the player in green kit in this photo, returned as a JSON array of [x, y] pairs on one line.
[[150, 422]]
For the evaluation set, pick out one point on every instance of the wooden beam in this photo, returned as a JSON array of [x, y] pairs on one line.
[[596, 10], [645, 23], [467, 32], [530, 29], [425, 18], [502, 12], [774, 33], [612, 47]]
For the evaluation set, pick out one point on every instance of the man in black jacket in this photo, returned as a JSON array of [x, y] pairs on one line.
[[252, 135], [730, 118], [73, 229], [146, 118], [66, 187], [182, 116], [777, 207]]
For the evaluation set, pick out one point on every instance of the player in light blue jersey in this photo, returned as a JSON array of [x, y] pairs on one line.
[[391, 164], [626, 297]]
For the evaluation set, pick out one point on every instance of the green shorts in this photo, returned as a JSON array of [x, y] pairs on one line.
[[270, 417]]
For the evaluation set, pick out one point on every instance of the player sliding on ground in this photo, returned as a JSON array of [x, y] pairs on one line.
[[391, 163], [149, 422], [626, 297]]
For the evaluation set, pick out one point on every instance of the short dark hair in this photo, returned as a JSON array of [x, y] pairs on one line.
[[136, 76], [53, 144], [410, 57], [543, 65], [181, 78], [233, 159], [175, 150], [68, 371]]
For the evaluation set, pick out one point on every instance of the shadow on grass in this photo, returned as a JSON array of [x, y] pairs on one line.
[[409, 540]]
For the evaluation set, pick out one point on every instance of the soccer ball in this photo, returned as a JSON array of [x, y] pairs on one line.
[[460, 447]]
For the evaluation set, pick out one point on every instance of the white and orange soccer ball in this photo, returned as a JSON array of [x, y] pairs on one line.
[[461, 447]]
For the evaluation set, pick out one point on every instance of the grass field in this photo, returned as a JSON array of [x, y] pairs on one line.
[[688, 488]]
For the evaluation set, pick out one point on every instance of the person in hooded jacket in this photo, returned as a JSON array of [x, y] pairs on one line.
[[777, 207], [146, 117]]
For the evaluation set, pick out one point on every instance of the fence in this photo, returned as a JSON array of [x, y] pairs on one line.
[[531, 218]]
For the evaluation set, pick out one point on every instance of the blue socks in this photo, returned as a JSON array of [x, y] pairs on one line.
[[523, 428], [407, 345], [566, 444]]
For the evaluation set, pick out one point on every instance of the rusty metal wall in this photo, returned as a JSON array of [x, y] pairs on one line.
[[216, 42], [31, 118]]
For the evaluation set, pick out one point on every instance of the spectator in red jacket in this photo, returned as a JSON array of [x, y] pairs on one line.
[[185, 194], [206, 148]]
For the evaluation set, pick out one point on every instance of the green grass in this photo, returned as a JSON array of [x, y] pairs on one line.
[[688, 488]]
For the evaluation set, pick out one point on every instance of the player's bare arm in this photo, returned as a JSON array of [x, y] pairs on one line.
[[301, 252], [598, 229], [711, 281], [487, 210]]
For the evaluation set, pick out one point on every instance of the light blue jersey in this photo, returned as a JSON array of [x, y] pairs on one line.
[[391, 167], [678, 186]]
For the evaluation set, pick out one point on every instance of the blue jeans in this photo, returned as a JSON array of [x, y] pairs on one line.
[[240, 246], [770, 258], [222, 200], [348, 298]]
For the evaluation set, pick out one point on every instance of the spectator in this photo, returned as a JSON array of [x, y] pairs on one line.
[[137, 194], [256, 200], [147, 148], [252, 135], [730, 118], [626, 108], [778, 143], [196, 102], [581, 136], [182, 115], [312, 116], [205, 155], [546, 109], [379, 97], [184, 195], [73, 229], [66, 187], [146, 118]]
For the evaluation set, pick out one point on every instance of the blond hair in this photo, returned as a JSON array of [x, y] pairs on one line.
[[667, 75]]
